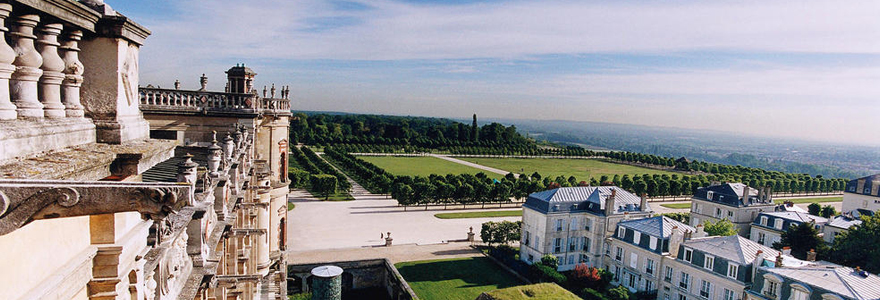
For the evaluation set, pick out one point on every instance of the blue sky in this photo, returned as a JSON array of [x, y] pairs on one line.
[[802, 69]]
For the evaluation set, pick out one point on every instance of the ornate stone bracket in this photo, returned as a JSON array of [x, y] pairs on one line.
[[23, 201]]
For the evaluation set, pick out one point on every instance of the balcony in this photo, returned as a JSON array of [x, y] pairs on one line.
[[188, 102]]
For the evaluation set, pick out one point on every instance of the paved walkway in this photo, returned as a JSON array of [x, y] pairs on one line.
[[473, 165], [395, 253], [316, 224]]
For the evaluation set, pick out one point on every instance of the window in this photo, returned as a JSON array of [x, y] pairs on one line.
[[572, 244], [585, 241], [531, 257], [770, 288], [730, 214], [649, 266], [619, 255], [557, 245], [526, 238], [777, 223], [705, 288], [559, 225], [653, 244], [633, 260], [587, 224], [732, 270], [668, 275], [571, 259], [538, 243], [665, 296], [616, 273], [709, 262], [710, 195], [649, 285], [761, 238], [728, 295], [633, 283], [620, 232], [573, 225], [763, 220], [682, 297], [585, 258], [718, 213], [637, 237], [685, 281], [688, 254], [799, 294], [696, 207]]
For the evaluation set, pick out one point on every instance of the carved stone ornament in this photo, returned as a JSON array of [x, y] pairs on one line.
[[23, 201]]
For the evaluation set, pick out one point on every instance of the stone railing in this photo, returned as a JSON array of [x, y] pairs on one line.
[[204, 102], [23, 201]]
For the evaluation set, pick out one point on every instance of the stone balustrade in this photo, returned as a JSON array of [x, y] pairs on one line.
[[160, 100]]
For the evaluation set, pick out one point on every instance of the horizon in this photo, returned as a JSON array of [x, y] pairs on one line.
[[805, 70]]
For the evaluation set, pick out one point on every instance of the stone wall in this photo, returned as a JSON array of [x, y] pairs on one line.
[[358, 276]]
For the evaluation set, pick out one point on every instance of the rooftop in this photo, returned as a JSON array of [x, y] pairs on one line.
[[658, 226], [797, 216], [868, 185], [841, 280], [733, 248], [844, 221], [583, 199]]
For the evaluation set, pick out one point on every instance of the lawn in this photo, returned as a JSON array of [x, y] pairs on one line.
[[778, 200], [582, 169], [480, 214], [677, 205], [811, 200], [420, 165], [455, 279]]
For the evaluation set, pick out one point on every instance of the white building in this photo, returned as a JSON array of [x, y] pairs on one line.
[[635, 254], [572, 222], [769, 226], [735, 202], [862, 194]]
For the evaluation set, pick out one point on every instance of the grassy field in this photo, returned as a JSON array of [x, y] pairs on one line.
[[811, 200], [420, 166], [455, 279], [677, 205], [779, 200], [582, 169], [480, 214]]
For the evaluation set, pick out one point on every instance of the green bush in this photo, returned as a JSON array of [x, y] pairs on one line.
[[591, 294], [550, 261], [548, 274], [298, 178], [324, 184]]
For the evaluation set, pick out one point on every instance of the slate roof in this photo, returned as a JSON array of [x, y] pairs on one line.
[[844, 222], [797, 217], [871, 186], [658, 226], [733, 248], [787, 207], [166, 171], [841, 280], [583, 198]]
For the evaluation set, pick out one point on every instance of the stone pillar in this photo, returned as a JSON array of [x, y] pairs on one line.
[[23, 83], [388, 239], [204, 82], [471, 234], [228, 146], [327, 283], [73, 70], [7, 56], [110, 89], [262, 222], [215, 154], [50, 82]]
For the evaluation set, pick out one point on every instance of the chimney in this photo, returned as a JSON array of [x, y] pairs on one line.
[[609, 203], [760, 194], [778, 261], [769, 194], [688, 235], [675, 240], [811, 256], [745, 197], [700, 232], [786, 250], [644, 204]]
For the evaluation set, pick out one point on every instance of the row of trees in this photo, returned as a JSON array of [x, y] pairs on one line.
[[307, 170]]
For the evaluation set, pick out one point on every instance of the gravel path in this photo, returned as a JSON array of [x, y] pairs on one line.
[[470, 164]]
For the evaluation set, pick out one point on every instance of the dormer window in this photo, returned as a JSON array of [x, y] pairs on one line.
[[771, 286], [688, 255], [710, 195]]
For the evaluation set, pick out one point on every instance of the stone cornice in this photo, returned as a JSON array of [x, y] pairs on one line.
[[120, 26], [68, 11], [23, 201]]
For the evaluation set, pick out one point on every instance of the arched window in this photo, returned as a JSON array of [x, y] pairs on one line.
[[800, 292]]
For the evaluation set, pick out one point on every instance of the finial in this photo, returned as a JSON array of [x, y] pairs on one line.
[[204, 81], [273, 90], [264, 91], [176, 84]]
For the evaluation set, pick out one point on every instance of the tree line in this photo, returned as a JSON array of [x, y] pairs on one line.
[[309, 171]]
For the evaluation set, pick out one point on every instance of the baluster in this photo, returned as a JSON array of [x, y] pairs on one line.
[[23, 83], [73, 74], [53, 65], [7, 56]]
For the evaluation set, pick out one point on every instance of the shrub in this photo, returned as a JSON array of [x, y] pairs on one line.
[[550, 261], [591, 294], [548, 274]]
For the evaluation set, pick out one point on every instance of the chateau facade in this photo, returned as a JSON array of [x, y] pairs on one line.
[[111, 191]]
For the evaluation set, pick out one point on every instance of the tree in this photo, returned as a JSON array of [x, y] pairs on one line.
[[801, 239], [403, 193], [550, 261], [619, 293], [814, 208], [720, 228], [474, 132], [324, 184], [858, 245], [828, 211]]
